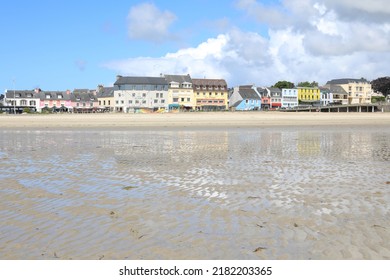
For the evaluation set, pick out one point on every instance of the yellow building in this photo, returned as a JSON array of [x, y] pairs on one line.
[[210, 94], [308, 95]]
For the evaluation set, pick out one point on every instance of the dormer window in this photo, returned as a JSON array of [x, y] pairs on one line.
[[59, 96], [48, 96], [17, 95]]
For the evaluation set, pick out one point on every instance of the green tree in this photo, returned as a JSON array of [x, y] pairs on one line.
[[381, 85], [308, 84], [284, 84]]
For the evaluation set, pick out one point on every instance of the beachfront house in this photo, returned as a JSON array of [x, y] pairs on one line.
[[289, 98], [210, 94], [54, 101], [309, 96], [84, 101], [105, 96], [326, 96], [139, 94], [21, 100], [245, 98], [350, 91], [180, 92]]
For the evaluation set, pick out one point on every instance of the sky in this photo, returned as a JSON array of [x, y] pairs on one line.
[[66, 44]]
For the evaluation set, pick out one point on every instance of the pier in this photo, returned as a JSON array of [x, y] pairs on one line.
[[357, 108]]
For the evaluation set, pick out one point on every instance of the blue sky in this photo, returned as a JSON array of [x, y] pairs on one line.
[[59, 45]]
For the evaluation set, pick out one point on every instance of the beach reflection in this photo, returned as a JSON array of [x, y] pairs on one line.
[[222, 193]]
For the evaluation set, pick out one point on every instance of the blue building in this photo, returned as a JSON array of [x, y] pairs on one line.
[[245, 98]]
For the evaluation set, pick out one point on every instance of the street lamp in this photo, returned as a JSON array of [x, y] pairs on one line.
[[14, 98]]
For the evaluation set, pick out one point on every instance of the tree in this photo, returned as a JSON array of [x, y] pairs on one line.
[[308, 84], [284, 84], [382, 85]]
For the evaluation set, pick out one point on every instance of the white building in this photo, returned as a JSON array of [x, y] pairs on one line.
[[326, 97], [21, 99], [132, 94], [289, 97]]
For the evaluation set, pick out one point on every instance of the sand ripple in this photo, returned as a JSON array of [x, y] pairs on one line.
[[274, 193]]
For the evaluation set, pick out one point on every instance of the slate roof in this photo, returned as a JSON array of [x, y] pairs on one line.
[[21, 93], [248, 93], [346, 81], [178, 78], [141, 81], [54, 95], [105, 92], [209, 82]]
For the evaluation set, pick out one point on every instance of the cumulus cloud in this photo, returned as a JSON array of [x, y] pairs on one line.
[[307, 40], [146, 22]]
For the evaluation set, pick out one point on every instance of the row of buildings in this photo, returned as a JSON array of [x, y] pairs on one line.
[[181, 92]]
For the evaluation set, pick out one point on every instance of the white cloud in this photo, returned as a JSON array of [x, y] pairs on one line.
[[146, 22], [311, 40]]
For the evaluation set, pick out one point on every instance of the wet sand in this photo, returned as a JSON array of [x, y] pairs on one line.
[[201, 119], [247, 190]]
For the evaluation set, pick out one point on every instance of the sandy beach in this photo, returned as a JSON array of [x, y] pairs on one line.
[[180, 120], [195, 186]]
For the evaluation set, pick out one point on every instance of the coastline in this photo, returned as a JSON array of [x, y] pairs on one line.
[[191, 120]]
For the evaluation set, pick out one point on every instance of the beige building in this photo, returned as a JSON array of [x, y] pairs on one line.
[[105, 96], [180, 92], [350, 91]]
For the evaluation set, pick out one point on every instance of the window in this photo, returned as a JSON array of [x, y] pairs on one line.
[[130, 101], [155, 101], [162, 101], [23, 102], [182, 99], [143, 101], [117, 102], [32, 103], [109, 102], [48, 96], [161, 95], [197, 93], [144, 95], [91, 104], [157, 95], [59, 96], [137, 102], [84, 104], [122, 102], [175, 99], [188, 99], [133, 94]]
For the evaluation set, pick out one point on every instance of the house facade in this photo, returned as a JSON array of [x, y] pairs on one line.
[[309, 95], [134, 94], [210, 94], [180, 92], [351, 91], [55, 101], [105, 96], [84, 101], [289, 97], [21, 99], [326, 96], [245, 98]]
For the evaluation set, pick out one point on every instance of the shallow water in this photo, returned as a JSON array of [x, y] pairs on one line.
[[269, 193]]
